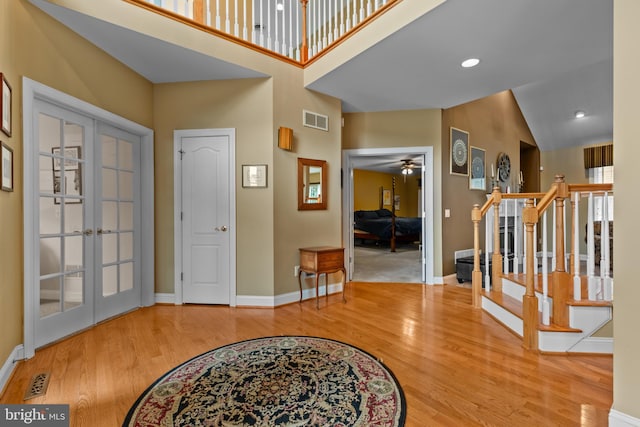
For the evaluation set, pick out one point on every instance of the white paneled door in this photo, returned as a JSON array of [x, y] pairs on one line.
[[87, 222], [206, 216]]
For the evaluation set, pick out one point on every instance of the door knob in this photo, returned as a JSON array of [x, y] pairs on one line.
[[223, 228], [88, 232]]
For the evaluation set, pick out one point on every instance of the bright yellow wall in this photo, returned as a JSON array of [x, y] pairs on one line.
[[366, 191], [34, 45], [626, 92]]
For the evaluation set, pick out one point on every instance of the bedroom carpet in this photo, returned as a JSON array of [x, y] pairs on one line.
[[275, 381], [378, 264]]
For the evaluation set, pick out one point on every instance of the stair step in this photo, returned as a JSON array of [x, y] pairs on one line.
[[520, 279], [514, 306]]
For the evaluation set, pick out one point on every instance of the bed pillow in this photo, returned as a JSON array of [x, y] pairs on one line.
[[384, 213]]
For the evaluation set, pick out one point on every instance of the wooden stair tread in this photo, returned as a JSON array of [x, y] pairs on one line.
[[514, 306]]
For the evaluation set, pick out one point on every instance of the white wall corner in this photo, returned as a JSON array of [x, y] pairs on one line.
[[619, 419], [9, 365]]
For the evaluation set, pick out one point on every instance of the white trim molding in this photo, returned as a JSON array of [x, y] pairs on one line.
[[619, 419], [9, 365]]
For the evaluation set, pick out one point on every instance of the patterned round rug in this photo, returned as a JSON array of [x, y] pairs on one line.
[[274, 381]]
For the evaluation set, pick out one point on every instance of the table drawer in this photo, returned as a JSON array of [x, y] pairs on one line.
[[322, 260]]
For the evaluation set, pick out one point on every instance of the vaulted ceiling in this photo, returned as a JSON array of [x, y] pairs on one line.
[[556, 56]]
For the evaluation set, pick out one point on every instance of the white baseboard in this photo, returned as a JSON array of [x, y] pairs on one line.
[[594, 345], [165, 298], [618, 419], [9, 365]]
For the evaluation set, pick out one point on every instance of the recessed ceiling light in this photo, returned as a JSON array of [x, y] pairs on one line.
[[279, 7], [579, 114], [471, 62]]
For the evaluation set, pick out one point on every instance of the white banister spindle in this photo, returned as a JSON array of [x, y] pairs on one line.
[[577, 282], [348, 24], [535, 243], [236, 25], [545, 274], [336, 33], [592, 279], [553, 239], [354, 18], [291, 49], [368, 8], [297, 49], [207, 12], [244, 20], [505, 244], [218, 13], [362, 10], [324, 23], [276, 46], [342, 18], [227, 22], [607, 281], [564, 235], [268, 25], [284, 31], [516, 235]]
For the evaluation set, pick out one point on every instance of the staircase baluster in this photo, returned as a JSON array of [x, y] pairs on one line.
[[505, 243], [592, 288], [276, 41], [236, 26], [553, 239], [336, 32], [227, 22], [218, 15], [545, 273], [577, 282], [208, 13], [362, 10], [535, 243], [607, 281], [516, 234], [244, 20]]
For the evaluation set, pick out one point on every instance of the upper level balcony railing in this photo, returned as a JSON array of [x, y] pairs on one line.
[[297, 29]]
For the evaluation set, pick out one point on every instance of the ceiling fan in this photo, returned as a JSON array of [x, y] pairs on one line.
[[407, 168]]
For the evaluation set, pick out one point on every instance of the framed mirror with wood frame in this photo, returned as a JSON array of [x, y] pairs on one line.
[[312, 184]]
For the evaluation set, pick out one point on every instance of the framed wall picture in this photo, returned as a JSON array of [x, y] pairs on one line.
[[254, 176], [477, 175], [6, 167], [459, 156], [5, 105]]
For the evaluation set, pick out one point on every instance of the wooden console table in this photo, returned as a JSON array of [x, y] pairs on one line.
[[322, 259]]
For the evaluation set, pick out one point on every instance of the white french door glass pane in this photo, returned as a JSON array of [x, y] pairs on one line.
[[73, 253], [125, 155], [73, 140], [109, 280], [126, 276], [109, 184], [110, 215], [50, 296], [126, 185], [49, 132], [50, 256], [108, 151], [109, 248], [49, 212], [126, 246], [73, 291], [73, 218], [126, 216], [45, 164]]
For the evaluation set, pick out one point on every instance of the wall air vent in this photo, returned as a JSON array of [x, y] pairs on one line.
[[315, 120]]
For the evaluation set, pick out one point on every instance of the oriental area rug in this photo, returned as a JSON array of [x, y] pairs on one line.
[[274, 381]]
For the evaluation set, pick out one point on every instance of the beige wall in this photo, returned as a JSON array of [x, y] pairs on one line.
[[626, 92], [411, 128], [496, 125], [38, 47]]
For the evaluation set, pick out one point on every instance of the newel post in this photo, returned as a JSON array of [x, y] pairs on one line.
[[476, 275], [496, 259], [529, 300], [304, 56], [561, 279]]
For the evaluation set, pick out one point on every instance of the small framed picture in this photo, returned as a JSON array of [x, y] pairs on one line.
[[5, 105], [459, 156], [71, 156], [386, 197], [477, 176], [254, 176], [6, 167]]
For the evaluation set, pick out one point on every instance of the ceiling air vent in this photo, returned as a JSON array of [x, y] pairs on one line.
[[315, 120]]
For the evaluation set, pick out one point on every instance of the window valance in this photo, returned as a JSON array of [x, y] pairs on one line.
[[598, 156]]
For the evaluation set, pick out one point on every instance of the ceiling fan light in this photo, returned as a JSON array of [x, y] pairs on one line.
[[579, 114]]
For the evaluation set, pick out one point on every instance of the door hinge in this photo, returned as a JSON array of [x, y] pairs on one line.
[[182, 277], [181, 215], [182, 153]]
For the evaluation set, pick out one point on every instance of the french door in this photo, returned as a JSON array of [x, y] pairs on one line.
[[87, 219]]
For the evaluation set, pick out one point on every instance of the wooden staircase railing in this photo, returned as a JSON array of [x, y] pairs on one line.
[[565, 285]]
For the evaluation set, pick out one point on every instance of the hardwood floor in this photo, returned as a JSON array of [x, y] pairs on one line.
[[457, 366]]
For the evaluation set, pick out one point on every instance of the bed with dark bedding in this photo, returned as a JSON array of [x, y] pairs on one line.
[[380, 225]]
